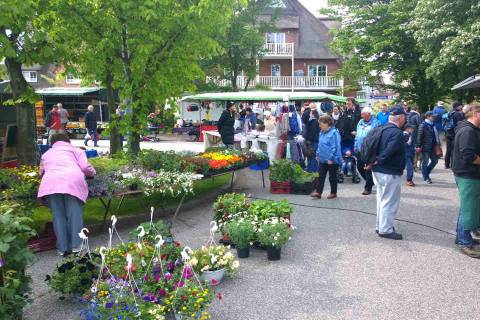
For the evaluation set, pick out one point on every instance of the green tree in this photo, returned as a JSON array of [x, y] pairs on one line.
[[448, 34], [24, 41], [375, 40], [243, 43]]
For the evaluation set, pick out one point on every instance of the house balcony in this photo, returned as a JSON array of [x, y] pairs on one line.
[[279, 50], [298, 83]]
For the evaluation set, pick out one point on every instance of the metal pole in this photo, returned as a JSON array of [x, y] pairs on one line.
[[293, 66], [101, 116]]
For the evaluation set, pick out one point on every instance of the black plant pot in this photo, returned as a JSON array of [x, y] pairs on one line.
[[133, 187], [273, 253], [243, 252]]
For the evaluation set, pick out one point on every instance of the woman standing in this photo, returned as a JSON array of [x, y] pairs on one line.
[[225, 125], [329, 156], [63, 169], [311, 138]]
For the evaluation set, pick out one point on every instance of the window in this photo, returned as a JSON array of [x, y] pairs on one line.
[[72, 80], [318, 70], [278, 37], [276, 70], [30, 76]]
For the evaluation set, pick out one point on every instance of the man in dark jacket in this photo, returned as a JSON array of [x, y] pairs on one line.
[[225, 125], [312, 132], [466, 167], [427, 139], [91, 126], [347, 125], [457, 116], [387, 172]]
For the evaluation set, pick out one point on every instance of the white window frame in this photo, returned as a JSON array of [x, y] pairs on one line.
[[70, 79], [277, 37], [27, 74], [279, 70], [317, 70]]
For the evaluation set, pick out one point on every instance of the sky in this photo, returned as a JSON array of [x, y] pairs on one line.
[[314, 5]]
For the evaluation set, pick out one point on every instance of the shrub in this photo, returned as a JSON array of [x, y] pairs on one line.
[[282, 170]]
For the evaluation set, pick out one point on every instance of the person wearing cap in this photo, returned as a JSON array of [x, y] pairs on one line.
[[225, 125], [456, 115], [428, 138], [409, 152], [387, 173], [438, 111]]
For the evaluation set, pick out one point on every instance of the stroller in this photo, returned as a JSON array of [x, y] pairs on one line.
[[349, 166]]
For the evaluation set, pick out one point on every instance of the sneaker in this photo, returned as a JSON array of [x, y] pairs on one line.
[[471, 252], [474, 242], [410, 184], [63, 254], [76, 250], [391, 236], [429, 181], [332, 196], [366, 192], [476, 235]]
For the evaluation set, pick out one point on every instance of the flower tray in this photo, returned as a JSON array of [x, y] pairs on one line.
[[279, 187], [44, 241], [302, 188]]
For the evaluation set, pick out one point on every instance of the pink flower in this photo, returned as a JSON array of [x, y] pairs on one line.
[[156, 278], [168, 276], [162, 292], [180, 284]]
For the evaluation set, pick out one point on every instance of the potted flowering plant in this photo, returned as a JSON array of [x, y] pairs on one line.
[[228, 207], [189, 302], [74, 275], [273, 234], [241, 233], [213, 262]]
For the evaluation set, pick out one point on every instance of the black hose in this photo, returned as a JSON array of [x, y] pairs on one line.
[[364, 212]]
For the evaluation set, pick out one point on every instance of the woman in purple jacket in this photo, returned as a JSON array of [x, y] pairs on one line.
[[63, 170]]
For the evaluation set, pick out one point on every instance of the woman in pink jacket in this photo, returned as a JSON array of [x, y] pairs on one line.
[[63, 169]]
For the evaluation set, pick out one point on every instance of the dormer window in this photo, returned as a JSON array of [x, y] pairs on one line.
[[278, 37]]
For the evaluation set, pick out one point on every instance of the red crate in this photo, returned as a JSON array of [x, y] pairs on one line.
[[279, 187]]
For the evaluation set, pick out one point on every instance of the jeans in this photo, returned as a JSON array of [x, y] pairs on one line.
[[331, 169], [366, 175], [464, 238], [409, 161], [429, 161], [388, 200], [312, 162], [67, 212], [93, 136]]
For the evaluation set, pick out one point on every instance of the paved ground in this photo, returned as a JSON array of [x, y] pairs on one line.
[[335, 267]]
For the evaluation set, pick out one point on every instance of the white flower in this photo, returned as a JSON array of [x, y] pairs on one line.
[[193, 261], [275, 238], [235, 264]]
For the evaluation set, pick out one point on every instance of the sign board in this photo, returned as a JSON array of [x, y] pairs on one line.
[[39, 114]]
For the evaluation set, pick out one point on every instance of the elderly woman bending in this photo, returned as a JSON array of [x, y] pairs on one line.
[[63, 187]]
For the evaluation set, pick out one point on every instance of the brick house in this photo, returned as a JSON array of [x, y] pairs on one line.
[[298, 57]]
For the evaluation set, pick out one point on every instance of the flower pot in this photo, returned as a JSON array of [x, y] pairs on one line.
[[133, 187], [273, 253], [243, 252], [216, 276]]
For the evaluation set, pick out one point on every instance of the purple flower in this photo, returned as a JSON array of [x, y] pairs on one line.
[[109, 305], [168, 276], [187, 273], [2, 263], [156, 278], [146, 278], [180, 284], [152, 174], [147, 298], [162, 292], [170, 266]]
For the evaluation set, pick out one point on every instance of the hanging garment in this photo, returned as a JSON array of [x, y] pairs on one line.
[[288, 153]]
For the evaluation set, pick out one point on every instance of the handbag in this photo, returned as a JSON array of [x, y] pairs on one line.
[[438, 150]]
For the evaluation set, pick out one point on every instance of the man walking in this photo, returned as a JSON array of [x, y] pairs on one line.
[[466, 168], [438, 111], [63, 115], [91, 126], [387, 172], [428, 139], [383, 114], [452, 121], [363, 128]]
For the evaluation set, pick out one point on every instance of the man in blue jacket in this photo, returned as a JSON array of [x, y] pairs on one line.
[[387, 172], [438, 111]]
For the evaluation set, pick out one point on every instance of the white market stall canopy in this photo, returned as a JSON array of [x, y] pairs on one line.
[[469, 83], [266, 96]]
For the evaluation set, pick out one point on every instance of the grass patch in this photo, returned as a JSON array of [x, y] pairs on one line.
[[94, 210]]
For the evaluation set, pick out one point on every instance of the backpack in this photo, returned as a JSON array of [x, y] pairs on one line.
[[368, 153], [447, 121]]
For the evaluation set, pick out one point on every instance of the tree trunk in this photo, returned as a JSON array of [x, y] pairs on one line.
[[27, 150], [116, 144]]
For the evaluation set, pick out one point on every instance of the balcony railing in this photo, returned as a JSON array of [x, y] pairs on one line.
[[276, 83], [279, 49]]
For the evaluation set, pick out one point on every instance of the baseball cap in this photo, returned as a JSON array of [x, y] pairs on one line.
[[429, 114], [397, 110]]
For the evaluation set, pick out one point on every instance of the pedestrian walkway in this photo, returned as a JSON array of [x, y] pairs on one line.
[[335, 267]]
